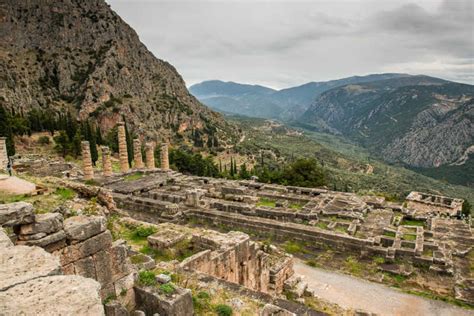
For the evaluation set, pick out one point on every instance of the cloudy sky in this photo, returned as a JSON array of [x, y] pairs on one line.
[[287, 43]]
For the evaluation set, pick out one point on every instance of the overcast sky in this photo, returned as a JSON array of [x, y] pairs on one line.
[[287, 43]]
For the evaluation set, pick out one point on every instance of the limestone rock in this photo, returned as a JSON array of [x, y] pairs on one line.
[[163, 278], [22, 263], [114, 308], [53, 295], [50, 242], [44, 223], [4, 239], [79, 228], [16, 214], [84, 249]]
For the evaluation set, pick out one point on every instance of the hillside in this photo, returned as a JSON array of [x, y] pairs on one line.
[[80, 56], [418, 121], [257, 101]]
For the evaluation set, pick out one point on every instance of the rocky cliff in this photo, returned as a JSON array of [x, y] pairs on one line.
[[81, 56], [419, 121]]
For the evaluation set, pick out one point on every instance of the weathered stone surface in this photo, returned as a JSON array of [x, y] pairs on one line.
[[121, 265], [150, 301], [272, 310], [86, 268], [16, 214], [44, 223], [53, 295], [86, 248], [56, 238], [79, 228], [163, 278], [124, 290], [4, 239], [114, 308], [21, 263], [32, 237], [103, 264], [87, 161]]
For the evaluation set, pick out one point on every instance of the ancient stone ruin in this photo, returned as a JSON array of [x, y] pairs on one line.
[[122, 143], [3, 153]]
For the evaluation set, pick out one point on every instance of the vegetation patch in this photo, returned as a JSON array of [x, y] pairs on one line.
[[147, 278], [134, 176], [266, 202], [413, 222], [409, 237], [389, 233], [294, 247], [322, 225], [65, 193], [353, 266], [167, 288], [223, 310]]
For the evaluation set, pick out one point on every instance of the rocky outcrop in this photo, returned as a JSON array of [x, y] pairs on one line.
[[31, 284], [82, 57], [417, 120]]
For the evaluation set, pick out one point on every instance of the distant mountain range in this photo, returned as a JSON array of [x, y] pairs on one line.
[[418, 121], [258, 101]]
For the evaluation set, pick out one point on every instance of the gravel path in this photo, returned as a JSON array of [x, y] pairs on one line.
[[354, 293]]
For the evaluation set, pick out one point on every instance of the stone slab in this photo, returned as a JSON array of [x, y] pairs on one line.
[[44, 223], [20, 264], [16, 214], [80, 228], [53, 295], [5, 241], [86, 248]]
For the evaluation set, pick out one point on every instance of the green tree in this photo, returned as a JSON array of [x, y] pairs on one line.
[[466, 208], [243, 173], [305, 173], [6, 130], [76, 144], [62, 143]]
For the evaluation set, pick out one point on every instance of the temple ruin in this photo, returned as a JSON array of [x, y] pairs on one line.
[[87, 161], [3, 153], [122, 144]]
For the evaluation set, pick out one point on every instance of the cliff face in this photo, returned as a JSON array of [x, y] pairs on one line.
[[419, 121], [81, 56]]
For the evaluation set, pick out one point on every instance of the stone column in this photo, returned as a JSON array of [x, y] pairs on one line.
[[150, 155], [3, 153], [165, 164], [87, 161], [137, 153], [122, 142], [106, 163]]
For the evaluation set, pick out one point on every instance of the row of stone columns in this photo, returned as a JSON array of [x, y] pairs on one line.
[[123, 156]]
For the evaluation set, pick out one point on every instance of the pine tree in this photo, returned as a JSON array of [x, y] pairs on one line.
[[231, 167]]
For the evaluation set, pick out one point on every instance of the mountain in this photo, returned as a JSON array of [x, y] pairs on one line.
[[419, 121], [80, 56], [258, 101]]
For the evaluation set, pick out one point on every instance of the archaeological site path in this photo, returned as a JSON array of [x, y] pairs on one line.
[[350, 292]]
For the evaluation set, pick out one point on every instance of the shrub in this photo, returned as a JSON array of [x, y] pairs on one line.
[[143, 231], [65, 194], [147, 278], [44, 140], [223, 310], [167, 288]]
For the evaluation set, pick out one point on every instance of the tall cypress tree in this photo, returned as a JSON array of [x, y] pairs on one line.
[[6, 130], [129, 139]]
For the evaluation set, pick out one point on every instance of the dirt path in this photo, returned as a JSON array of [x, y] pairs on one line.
[[354, 293]]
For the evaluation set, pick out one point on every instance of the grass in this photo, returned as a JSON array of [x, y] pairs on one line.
[[409, 237], [65, 193], [167, 288], [340, 229], [427, 252], [143, 231], [413, 222], [133, 176], [137, 259], [312, 263], [147, 278], [294, 247], [296, 206], [266, 202], [378, 260], [353, 266], [322, 225], [389, 234], [446, 299], [223, 310]]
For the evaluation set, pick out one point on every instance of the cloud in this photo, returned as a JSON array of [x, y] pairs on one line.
[[285, 43]]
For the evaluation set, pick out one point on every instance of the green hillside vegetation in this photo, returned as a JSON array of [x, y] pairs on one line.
[[345, 164]]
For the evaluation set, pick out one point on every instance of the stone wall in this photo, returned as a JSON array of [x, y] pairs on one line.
[[234, 258], [32, 280], [82, 245]]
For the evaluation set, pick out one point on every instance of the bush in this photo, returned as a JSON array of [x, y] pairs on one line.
[[65, 193], [147, 278], [44, 140], [223, 310], [143, 231], [167, 288]]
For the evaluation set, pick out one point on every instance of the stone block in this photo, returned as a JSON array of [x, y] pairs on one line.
[[165, 238], [121, 265], [86, 268], [163, 278], [69, 269], [21, 263], [149, 300], [114, 308], [124, 290], [5, 241], [103, 264], [53, 295], [86, 248], [55, 240], [272, 310], [32, 237], [44, 223], [18, 213], [80, 228]]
